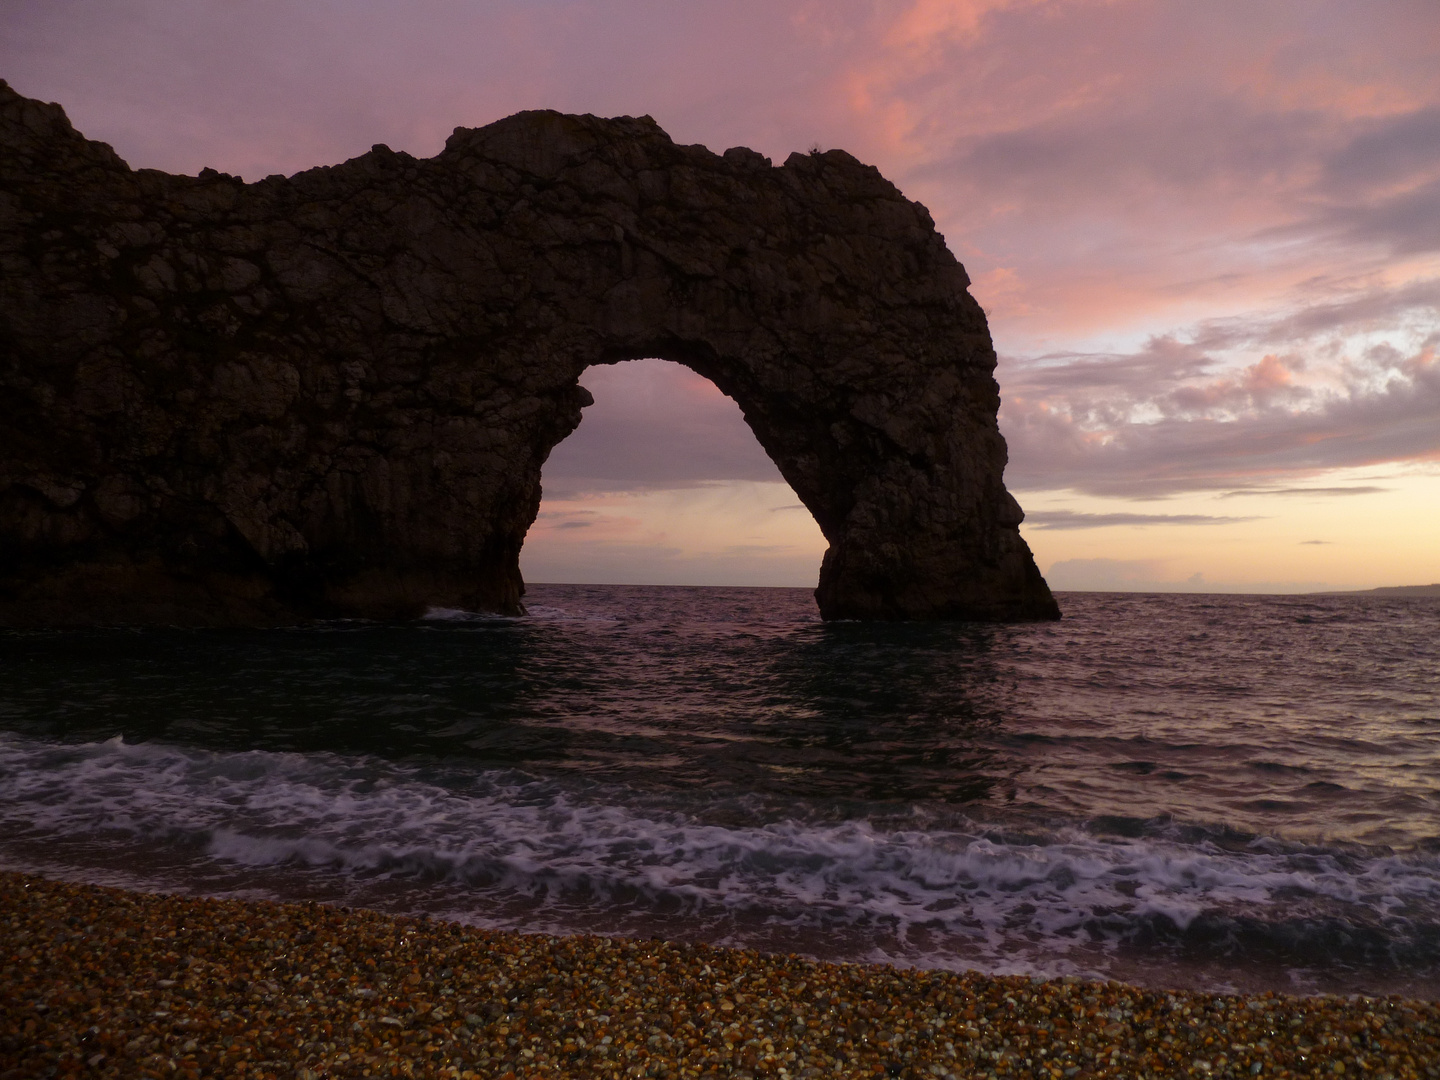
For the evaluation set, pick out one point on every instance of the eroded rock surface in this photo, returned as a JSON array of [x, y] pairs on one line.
[[332, 394]]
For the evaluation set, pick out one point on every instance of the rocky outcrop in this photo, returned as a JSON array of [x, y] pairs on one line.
[[332, 394]]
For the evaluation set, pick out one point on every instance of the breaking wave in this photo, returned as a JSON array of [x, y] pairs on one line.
[[502, 847]]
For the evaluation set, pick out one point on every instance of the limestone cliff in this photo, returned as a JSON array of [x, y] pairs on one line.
[[332, 394]]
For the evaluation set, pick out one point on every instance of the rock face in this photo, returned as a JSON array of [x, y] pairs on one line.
[[331, 395]]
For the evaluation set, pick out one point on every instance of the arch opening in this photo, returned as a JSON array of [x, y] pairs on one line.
[[664, 483]]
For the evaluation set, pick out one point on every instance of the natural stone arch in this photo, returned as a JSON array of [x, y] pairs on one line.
[[333, 394]]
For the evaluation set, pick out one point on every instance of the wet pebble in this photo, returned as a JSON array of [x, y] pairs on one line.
[[99, 982]]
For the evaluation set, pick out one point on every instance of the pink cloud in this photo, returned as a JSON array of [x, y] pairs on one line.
[[1223, 433], [1257, 386]]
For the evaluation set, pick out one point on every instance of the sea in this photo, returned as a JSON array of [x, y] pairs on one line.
[[1217, 792]]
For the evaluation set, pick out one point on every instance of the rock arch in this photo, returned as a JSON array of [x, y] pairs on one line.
[[332, 394]]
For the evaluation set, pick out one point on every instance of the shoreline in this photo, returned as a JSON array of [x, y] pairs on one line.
[[97, 981]]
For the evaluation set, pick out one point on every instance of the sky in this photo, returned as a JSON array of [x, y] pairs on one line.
[[1206, 235]]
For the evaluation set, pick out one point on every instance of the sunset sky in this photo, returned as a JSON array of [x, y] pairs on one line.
[[1207, 236]]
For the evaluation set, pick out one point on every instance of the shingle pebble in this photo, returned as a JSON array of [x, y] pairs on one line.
[[96, 982]]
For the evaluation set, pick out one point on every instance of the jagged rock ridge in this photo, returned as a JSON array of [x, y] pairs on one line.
[[332, 394]]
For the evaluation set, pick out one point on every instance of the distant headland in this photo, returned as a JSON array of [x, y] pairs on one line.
[[331, 395], [1389, 590]]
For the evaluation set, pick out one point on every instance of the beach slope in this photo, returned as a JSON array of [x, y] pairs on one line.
[[100, 982]]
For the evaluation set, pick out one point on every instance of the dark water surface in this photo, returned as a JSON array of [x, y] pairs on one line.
[[1218, 791]]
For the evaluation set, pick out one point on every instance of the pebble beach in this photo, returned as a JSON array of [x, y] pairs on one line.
[[101, 982]]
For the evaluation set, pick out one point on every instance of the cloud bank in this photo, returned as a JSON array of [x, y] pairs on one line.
[[1351, 385]]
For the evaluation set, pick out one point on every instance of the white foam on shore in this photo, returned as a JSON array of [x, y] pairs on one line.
[[497, 840]]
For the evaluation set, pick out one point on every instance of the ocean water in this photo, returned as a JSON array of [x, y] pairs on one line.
[[1227, 792]]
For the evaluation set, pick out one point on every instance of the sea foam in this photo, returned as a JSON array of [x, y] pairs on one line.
[[508, 848]]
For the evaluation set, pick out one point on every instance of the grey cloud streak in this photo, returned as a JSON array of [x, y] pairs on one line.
[[1406, 224], [1071, 519], [1357, 181], [1115, 149], [1314, 492], [1383, 186], [1387, 151]]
